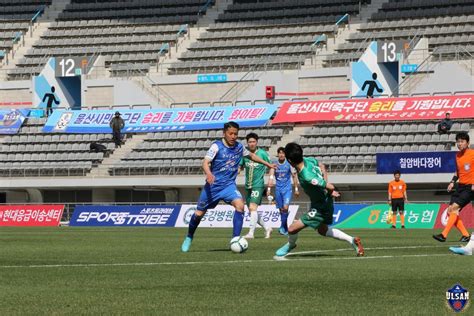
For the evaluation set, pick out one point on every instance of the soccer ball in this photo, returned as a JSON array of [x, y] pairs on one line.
[[239, 244]]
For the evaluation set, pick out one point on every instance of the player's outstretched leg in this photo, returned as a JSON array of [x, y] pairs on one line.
[[293, 231], [467, 250], [335, 233], [290, 245], [193, 225]]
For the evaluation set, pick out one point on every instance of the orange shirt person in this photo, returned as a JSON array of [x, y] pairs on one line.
[[397, 196], [463, 194]]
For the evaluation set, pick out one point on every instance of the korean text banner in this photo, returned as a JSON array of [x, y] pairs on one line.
[[222, 215], [11, 120], [125, 215], [376, 215], [30, 215], [379, 109], [417, 162], [158, 120]]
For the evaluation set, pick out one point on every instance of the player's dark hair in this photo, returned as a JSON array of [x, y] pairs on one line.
[[251, 135], [231, 124], [280, 149], [397, 172], [294, 153], [462, 135]]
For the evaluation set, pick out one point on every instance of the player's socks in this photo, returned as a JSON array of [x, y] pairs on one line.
[[394, 219], [460, 226], [402, 219], [451, 221], [260, 221], [238, 222], [286, 248], [284, 220], [193, 225], [253, 222], [338, 234], [292, 240]]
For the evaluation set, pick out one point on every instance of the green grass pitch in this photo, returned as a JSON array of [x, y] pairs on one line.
[[127, 271]]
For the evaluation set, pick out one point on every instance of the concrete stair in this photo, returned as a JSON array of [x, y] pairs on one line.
[[367, 11], [102, 170], [37, 30], [176, 51], [332, 43], [287, 138], [193, 34]]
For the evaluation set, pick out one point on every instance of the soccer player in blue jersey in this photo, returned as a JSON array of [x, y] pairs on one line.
[[281, 178], [221, 166]]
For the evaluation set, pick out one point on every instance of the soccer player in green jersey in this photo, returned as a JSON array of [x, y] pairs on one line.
[[255, 184], [321, 193]]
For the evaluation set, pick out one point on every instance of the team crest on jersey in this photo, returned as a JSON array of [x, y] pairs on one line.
[[467, 166], [457, 298], [314, 181]]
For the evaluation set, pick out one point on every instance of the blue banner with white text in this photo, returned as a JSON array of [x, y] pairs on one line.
[[417, 162], [11, 120], [125, 215], [158, 120]]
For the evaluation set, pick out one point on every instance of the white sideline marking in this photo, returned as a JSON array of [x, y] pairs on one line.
[[275, 259], [352, 249]]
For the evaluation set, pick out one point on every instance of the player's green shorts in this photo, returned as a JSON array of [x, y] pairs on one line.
[[314, 218], [254, 195]]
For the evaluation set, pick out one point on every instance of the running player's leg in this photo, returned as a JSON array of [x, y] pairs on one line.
[[335, 233], [206, 201], [293, 231], [254, 199], [283, 202], [233, 197]]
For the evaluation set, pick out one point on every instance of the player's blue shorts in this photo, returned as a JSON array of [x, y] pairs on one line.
[[210, 197], [283, 197]]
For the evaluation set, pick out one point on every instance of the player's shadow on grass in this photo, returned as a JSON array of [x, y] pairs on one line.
[[219, 250], [310, 255]]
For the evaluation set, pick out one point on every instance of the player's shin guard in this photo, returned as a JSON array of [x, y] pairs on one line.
[[284, 220], [193, 225], [238, 222], [338, 234]]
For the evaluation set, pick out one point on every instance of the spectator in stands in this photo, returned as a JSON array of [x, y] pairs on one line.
[[117, 124], [372, 85], [397, 196], [51, 98], [445, 125]]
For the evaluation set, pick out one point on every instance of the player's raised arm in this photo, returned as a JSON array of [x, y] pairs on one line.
[[295, 183], [323, 170], [256, 158], [271, 178]]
